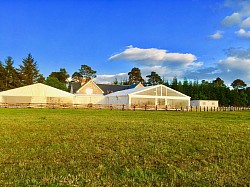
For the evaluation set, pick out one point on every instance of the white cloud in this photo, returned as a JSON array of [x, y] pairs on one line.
[[240, 17], [164, 72], [243, 33], [217, 35], [246, 23], [236, 68], [234, 19], [107, 79], [153, 56], [234, 63]]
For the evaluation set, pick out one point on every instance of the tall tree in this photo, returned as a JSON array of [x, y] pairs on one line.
[[29, 71], [238, 84], [2, 77], [218, 82], [115, 81], [174, 83], [135, 76], [76, 77], [154, 79], [87, 72], [11, 76], [62, 75]]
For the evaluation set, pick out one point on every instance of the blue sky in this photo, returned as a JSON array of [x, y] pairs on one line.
[[196, 39]]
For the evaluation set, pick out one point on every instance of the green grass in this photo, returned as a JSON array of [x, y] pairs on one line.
[[64, 147]]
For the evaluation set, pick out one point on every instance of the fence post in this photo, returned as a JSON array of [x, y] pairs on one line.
[[145, 107], [156, 107]]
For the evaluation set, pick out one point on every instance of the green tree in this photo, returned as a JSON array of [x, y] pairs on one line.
[[87, 72], [29, 71], [218, 82], [238, 84], [2, 77], [174, 83], [76, 77], [154, 79], [11, 76], [54, 82], [185, 86], [135, 76], [166, 83], [248, 95], [115, 81], [62, 75], [243, 98]]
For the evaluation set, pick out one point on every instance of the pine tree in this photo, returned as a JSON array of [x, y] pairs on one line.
[[2, 77], [29, 71], [12, 79]]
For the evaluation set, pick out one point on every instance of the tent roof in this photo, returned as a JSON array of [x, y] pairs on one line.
[[129, 91], [38, 90], [110, 88], [138, 90]]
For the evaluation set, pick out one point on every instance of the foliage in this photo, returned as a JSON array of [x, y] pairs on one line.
[[2, 75], [238, 83], [154, 79], [62, 75], [9, 75], [215, 90], [115, 81], [87, 72], [42, 147], [76, 77], [54, 82], [29, 71], [135, 76], [218, 82]]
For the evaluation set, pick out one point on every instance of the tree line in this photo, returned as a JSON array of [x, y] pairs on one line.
[[236, 95], [28, 73]]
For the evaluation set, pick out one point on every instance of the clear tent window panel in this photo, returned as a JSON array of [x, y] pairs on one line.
[[157, 91], [142, 101], [151, 92]]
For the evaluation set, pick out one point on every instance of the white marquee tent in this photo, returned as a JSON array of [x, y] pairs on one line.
[[152, 95], [36, 93]]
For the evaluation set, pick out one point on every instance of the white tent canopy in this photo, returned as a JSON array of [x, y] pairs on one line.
[[36, 93], [152, 95]]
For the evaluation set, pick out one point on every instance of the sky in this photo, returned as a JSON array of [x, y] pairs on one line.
[[193, 39]]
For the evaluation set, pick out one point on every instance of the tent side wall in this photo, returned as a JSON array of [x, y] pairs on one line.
[[87, 99], [36, 100], [117, 100]]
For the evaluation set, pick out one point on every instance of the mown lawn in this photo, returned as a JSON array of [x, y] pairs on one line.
[[68, 147]]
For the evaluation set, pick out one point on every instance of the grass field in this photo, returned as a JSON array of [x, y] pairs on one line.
[[64, 147]]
